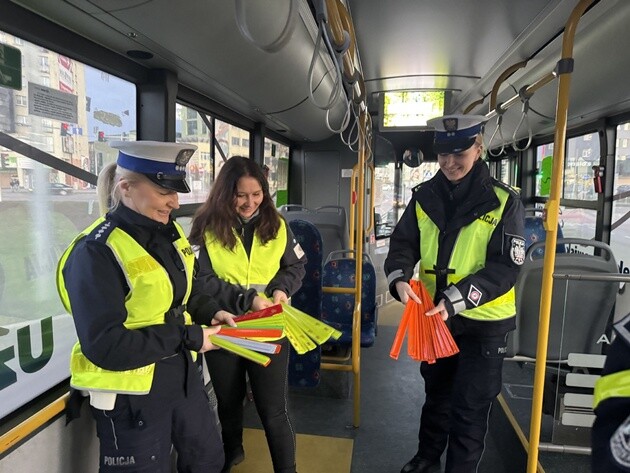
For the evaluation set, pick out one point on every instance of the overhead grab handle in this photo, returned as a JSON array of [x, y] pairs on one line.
[[499, 111], [240, 14], [525, 96]]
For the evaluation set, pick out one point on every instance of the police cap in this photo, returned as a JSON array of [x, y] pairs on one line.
[[456, 133], [162, 162]]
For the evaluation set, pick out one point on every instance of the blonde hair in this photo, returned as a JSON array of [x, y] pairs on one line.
[[107, 186], [479, 142]]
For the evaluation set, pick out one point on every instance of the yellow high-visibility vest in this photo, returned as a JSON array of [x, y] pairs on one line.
[[254, 271], [468, 256], [150, 297]]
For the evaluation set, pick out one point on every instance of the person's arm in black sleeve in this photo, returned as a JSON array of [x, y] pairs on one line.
[[230, 297], [97, 291], [201, 306], [289, 277], [404, 249], [505, 255]]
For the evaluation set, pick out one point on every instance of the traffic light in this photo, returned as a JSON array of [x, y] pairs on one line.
[[4, 161], [64, 129], [101, 136]]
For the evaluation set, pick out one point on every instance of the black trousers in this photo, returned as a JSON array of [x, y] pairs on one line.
[[136, 436], [269, 387], [459, 393]]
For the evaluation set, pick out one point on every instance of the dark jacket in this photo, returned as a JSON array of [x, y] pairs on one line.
[[452, 207], [611, 450], [97, 289]]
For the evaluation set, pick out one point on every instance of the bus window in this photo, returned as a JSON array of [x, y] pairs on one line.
[[277, 160], [578, 222], [544, 157], [68, 111], [620, 234], [582, 152], [191, 128], [385, 216], [232, 140]]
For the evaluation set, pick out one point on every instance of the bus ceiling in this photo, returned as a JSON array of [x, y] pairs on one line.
[[259, 59]]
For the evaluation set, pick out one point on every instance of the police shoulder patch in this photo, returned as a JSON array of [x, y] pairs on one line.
[[517, 249], [513, 191], [620, 445], [101, 232]]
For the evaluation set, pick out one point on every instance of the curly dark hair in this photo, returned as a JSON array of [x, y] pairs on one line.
[[218, 213]]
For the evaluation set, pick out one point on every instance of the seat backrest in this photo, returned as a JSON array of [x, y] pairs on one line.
[[338, 309], [330, 220], [304, 369], [309, 297], [535, 232], [580, 309]]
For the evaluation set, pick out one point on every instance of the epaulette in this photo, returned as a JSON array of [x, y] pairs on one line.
[[514, 192], [623, 329], [101, 232], [417, 188]]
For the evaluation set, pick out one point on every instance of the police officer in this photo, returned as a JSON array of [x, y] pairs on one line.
[[128, 282], [611, 431], [466, 230]]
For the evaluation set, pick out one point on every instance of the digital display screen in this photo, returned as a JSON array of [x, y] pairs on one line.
[[411, 108]]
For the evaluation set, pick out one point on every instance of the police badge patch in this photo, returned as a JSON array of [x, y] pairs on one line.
[[474, 295], [620, 445], [450, 124], [517, 250]]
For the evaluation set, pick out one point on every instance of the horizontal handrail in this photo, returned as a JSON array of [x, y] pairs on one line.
[[34, 422], [593, 277]]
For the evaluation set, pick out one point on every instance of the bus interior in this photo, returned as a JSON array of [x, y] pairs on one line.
[[333, 97]]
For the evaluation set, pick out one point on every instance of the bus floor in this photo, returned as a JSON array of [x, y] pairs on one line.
[[392, 394]]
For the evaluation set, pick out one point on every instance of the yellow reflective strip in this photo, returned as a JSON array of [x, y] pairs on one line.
[[143, 264], [612, 385]]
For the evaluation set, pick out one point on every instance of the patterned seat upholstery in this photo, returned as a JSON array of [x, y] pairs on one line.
[[337, 309], [535, 232], [304, 369]]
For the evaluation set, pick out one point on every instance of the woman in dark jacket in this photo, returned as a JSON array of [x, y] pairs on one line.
[[466, 231], [245, 241], [128, 281]]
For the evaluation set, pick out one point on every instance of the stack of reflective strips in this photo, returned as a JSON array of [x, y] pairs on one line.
[[428, 337], [253, 332]]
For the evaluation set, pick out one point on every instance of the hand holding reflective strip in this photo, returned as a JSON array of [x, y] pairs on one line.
[[405, 292], [439, 309]]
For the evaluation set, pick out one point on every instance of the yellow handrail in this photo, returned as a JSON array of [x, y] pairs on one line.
[[552, 207], [372, 179], [30, 425], [504, 75], [353, 193]]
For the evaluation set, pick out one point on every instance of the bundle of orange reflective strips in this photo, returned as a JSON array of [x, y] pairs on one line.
[[428, 336]]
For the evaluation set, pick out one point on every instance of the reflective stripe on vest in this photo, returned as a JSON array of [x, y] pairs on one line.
[[468, 257], [612, 385], [234, 266], [150, 297]]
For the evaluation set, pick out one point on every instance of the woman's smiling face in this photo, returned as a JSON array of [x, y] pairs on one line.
[[249, 196]]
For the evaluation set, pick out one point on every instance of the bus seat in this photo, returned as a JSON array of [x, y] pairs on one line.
[[337, 309], [330, 220], [535, 232], [580, 309], [304, 369]]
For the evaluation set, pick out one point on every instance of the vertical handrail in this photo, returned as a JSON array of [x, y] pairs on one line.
[[353, 193], [563, 69], [356, 319], [370, 227]]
